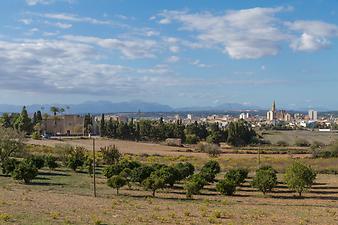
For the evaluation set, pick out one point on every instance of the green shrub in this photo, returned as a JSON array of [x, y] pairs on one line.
[[238, 176], [110, 154], [36, 135], [25, 171], [265, 179], [213, 166], [141, 173], [226, 187], [9, 165], [117, 182], [210, 170], [191, 139], [169, 174], [153, 183], [37, 160], [185, 170], [112, 170], [50, 162], [76, 158], [198, 179], [192, 188], [299, 177]]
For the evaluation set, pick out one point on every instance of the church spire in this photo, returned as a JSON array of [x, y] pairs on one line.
[[273, 108]]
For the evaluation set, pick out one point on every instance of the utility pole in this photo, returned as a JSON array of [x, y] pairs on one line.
[[94, 165]]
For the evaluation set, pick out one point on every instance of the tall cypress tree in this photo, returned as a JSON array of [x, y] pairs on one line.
[[103, 132]]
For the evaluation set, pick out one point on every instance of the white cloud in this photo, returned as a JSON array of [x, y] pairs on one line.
[[315, 35], [308, 42], [59, 25], [173, 59], [58, 66], [76, 18], [132, 49], [251, 33], [35, 2], [199, 64]]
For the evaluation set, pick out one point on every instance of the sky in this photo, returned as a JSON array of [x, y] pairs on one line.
[[178, 52]]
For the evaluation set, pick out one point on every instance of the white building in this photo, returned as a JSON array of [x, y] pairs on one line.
[[313, 115], [244, 116], [189, 117], [270, 115]]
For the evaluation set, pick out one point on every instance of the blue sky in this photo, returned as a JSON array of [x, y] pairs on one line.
[[180, 53]]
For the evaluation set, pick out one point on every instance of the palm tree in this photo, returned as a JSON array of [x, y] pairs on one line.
[[54, 110]]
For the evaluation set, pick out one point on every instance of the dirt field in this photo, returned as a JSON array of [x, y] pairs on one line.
[[147, 148], [291, 136], [64, 197]]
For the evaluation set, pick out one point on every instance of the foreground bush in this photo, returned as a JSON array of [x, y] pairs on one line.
[[141, 173], [210, 170], [110, 154], [299, 177], [226, 187], [25, 171], [194, 184], [37, 160], [75, 158], [153, 183], [238, 176], [117, 182], [8, 166], [265, 179], [50, 162], [185, 170]]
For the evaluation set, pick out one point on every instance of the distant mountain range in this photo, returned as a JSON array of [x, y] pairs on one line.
[[97, 107]]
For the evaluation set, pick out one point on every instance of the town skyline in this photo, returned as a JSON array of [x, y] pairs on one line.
[[180, 54]]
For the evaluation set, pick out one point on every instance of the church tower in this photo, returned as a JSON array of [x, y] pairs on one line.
[[273, 108]]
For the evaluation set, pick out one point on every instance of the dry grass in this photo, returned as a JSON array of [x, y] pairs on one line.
[[50, 203]]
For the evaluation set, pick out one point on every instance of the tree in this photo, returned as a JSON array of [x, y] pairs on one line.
[[102, 126], [117, 182], [23, 123], [299, 177], [11, 142], [265, 179], [238, 176], [110, 154], [50, 162], [169, 174], [36, 160], [76, 158], [25, 171], [185, 170], [153, 183], [213, 165], [9, 165], [54, 110], [5, 120], [240, 133], [194, 184], [210, 170], [226, 186], [141, 173]]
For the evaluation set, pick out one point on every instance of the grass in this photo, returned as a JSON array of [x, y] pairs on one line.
[[72, 203], [65, 197]]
